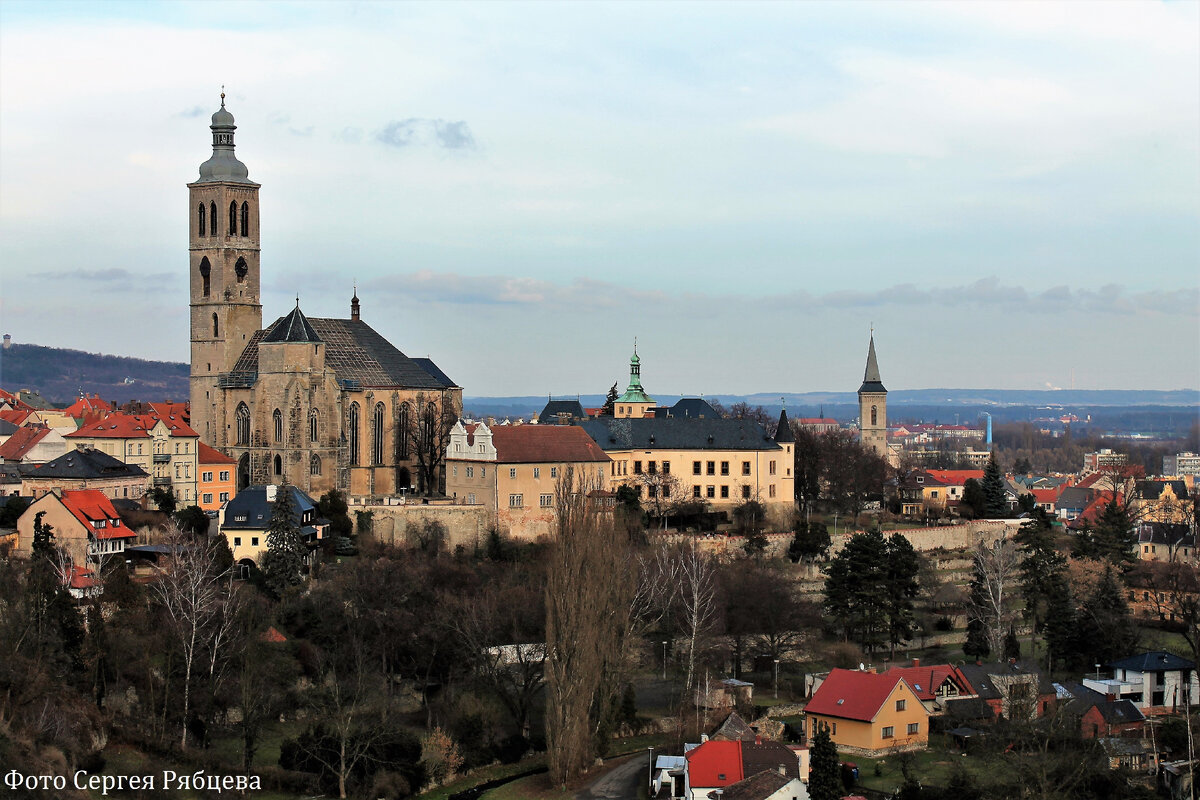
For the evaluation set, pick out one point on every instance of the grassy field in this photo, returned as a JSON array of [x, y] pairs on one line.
[[932, 767]]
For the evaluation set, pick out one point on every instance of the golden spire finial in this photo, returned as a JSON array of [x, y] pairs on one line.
[[222, 95]]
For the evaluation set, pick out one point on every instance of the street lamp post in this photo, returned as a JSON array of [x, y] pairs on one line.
[[650, 782], [664, 659], [777, 679]]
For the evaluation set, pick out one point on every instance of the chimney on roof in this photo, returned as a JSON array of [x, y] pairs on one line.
[[1110, 697], [757, 739], [272, 491], [491, 422], [916, 663], [783, 770]]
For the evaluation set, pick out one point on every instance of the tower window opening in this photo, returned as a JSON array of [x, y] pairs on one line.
[[277, 419], [874, 415], [212, 219], [205, 270], [216, 326], [203, 226], [312, 427], [245, 219], [233, 215], [240, 269], [278, 465]]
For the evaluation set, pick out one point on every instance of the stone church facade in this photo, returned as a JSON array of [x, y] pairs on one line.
[[315, 403]]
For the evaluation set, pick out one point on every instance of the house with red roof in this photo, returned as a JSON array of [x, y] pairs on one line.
[[934, 684], [165, 447], [715, 764], [88, 409], [218, 478], [84, 522], [513, 470], [868, 713], [33, 444]]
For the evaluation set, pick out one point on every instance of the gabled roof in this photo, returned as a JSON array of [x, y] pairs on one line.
[[712, 760], [734, 728], [208, 455], [91, 505], [693, 407], [572, 409], [979, 677], [956, 477], [115, 426], [757, 787], [292, 328], [1152, 662], [181, 410], [1075, 497], [24, 439], [759, 755], [1152, 490], [1114, 712], [252, 504], [7, 428], [355, 352], [81, 578], [1091, 513], [16, 416], [536, 444], [87, 404], [852, 694], [175, 425], [1045, 495], [87, 463], [678, 434], [926, 680]]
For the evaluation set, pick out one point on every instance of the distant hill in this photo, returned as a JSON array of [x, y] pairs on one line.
[[59, 375]]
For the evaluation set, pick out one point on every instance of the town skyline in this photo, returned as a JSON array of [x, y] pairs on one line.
[[1026, 219]]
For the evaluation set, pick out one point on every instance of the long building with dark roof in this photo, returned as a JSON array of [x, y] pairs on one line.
[[314, 402]]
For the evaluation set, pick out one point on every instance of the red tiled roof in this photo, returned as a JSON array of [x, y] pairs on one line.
[[114, 426], [273, 636], [208, 455], [1046, 495], [178, 410], [1095, 508], [22, 441], [16, 402], [176, 425], [90, 505], [559, 444], [87, 404], [1091, 480], [16, 416], [712, 759], [82, 578], [924, 681], [956, 477], [852, 694]]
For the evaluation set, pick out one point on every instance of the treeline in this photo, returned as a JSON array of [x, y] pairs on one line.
[[60, 374]]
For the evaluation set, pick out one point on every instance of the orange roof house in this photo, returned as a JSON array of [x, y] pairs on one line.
[[868, 714], [218, 478], [84, 522]]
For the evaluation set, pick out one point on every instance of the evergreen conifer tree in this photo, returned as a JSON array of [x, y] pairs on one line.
[[1113, 536], [824, 781], [976, 646], [43, 536], [284, 560], [610, 403], [995, 503]]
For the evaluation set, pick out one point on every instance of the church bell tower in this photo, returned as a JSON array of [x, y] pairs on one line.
[[872, 406], [223, 269]]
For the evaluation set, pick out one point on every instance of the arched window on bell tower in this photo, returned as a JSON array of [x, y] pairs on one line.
[[233, 215], [240, 269], [874, 416], [245, 219], [203, 223], [212, 219], [205, 270]]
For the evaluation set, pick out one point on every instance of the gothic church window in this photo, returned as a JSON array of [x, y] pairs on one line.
[[354, 433], [212, 219], [377, 435], [245, 219], [402, 433], [312, 427], [233, 219], [278, 466], [242, 417], [314, 465], [203, 226], [277, 419], [205, 268]]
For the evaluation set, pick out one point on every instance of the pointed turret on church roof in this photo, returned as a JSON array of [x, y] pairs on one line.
[[635, 393], [784, 433], [871, 379], [294, 327]]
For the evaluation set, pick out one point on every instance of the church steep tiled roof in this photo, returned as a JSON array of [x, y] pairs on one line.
[[292, 328], [355, 352]]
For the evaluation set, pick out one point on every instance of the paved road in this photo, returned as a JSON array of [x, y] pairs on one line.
[[618, 783]]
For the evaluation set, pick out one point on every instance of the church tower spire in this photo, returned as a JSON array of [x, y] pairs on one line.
[[872, 405], [635, 402], [223, 270]]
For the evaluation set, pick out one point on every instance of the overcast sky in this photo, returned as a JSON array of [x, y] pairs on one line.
[[1009, 192]]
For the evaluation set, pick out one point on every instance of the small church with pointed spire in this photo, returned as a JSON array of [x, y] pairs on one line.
[[317, 403]]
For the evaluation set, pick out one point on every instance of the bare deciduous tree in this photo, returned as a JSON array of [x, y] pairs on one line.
[[993, 605], [697, 600], [428, 434]]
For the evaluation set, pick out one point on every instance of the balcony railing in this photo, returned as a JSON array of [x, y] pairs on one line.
[[162, 458]]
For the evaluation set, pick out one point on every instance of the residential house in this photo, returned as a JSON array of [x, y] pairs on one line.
[[721, 462], [87, 468], [1013, 689], [1101, 715], [165, 447], [82, 583], [716, 764], [1166, 541], [1162, 501], [85, 525], [1135, 755], [868, 713], [769, 784], [218, 483], [244, 521], [1156, 682], [514, 471], [1071, 502], [933, 684], [33, 444]]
